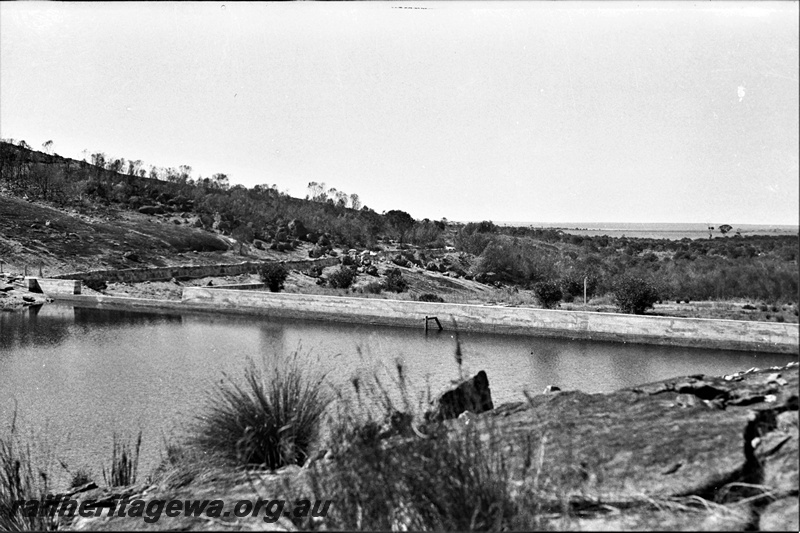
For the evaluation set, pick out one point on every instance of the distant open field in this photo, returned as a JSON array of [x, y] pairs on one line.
[[671, 231]]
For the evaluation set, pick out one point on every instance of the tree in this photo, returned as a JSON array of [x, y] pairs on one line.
[[400, 221], [47, 146], [133, 167], [548, 293], [394, 281], [635, 295], [245, 235], [184, 174], [355, 202], [220, 181], [317, 192], [274, 275], [341, 278], [725, 228]]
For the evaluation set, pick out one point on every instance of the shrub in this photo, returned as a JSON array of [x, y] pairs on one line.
[[341, 278], [271, 420], [274, 275], [394, 281], [428, 297], [373, 287], [634, 295], [548, 293]]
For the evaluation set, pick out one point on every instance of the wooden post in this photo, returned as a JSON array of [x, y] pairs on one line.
[[585, 283], [40, 270], [26, 270]]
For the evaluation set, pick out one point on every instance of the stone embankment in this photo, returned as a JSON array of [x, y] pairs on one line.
[[135, 275]]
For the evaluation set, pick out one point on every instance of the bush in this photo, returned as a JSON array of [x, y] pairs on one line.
[[548, 293], [634, 295], [274, 275], [428, 297], [341, 278], [271, 420], [373, 287], [394, 281]]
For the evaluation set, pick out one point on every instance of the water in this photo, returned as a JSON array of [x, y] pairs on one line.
[[77, 374], [663, 230]]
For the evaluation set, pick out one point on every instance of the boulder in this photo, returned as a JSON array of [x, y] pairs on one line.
[[131, 256], [472, 395], [297, 228], [259, 244], [151, 210]]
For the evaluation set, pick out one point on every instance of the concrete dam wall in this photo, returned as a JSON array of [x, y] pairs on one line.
[[689, 332]]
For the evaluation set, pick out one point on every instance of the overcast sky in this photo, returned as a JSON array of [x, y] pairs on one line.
[[547, 112]]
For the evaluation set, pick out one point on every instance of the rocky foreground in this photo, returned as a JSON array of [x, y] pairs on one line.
[[689, 453]]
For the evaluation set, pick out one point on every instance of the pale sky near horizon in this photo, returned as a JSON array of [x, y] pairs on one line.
[[547, 112]]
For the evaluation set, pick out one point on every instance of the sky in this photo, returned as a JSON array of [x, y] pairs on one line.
[[504, 111]]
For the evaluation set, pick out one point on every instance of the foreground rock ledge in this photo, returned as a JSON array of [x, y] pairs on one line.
[[689, 453]]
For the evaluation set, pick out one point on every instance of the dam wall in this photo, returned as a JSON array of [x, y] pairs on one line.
[[643, 329]]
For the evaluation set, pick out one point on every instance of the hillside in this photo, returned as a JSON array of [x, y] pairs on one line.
[[66, 215]]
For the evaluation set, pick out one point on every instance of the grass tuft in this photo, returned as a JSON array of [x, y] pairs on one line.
[[272, 419], [124, 463], [21, 480]]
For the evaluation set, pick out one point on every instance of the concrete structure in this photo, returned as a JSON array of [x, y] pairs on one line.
[[53, 287], [238, 286], [134, 275], [690, 332]]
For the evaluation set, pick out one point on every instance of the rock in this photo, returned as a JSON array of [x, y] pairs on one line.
[[472, 395], [781, 515], [297, 228], [131, 256], [6, 288], [259, 244], [551, 388]]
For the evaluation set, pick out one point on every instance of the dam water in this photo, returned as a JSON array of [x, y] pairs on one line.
[[74, 375]]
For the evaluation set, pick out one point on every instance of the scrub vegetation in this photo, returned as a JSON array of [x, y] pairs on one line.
[[79, 212]]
